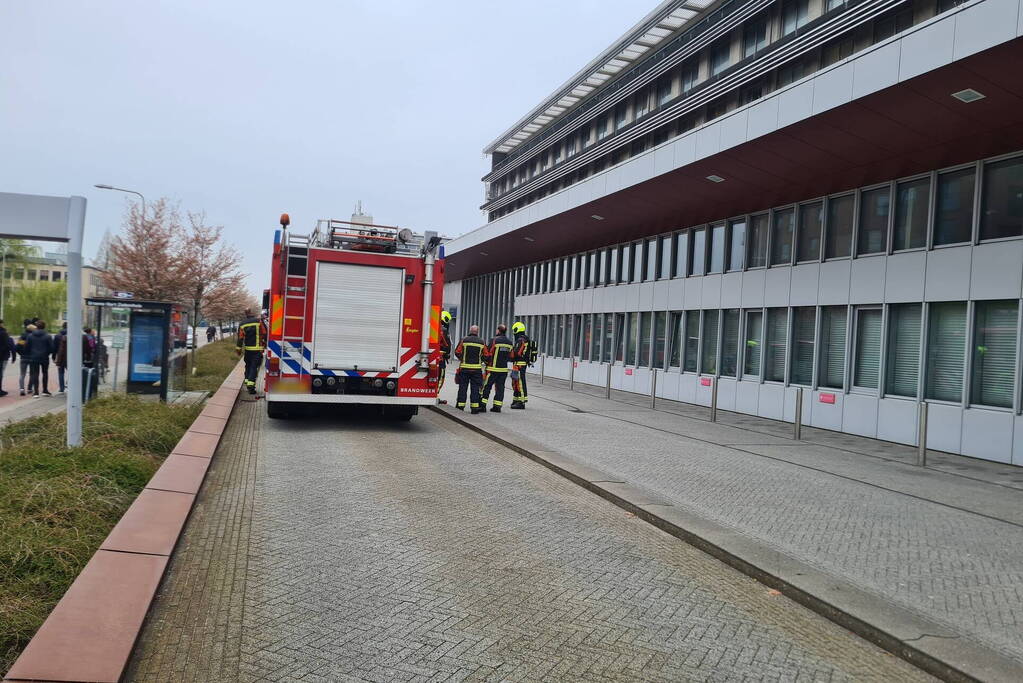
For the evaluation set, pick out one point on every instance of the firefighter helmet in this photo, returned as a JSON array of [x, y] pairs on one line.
[[445, 317], [518, 327]]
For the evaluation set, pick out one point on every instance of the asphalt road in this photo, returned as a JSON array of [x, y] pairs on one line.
[[329, 548]]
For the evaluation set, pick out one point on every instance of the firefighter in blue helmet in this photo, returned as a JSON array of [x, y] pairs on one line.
[[498, 354], [250, 343], [471, 351], [523, 355]]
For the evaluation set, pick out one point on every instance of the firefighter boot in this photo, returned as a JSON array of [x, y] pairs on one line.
[[518, 405], [495, 409]]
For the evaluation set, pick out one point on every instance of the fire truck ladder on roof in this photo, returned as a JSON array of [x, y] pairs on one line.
[[296, 301]]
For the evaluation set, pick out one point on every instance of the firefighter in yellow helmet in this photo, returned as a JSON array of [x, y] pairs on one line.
[[251, 340], [523, 355], [445, 346], [472, 352]]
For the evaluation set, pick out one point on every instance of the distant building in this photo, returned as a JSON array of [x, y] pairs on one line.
[[770, 197], [52, 267]]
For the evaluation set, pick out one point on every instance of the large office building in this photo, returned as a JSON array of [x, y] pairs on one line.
[[777, 196]]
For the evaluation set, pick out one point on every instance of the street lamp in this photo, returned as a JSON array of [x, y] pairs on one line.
[[121, 189]]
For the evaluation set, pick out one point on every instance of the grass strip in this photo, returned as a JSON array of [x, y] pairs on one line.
[[57, 504], [212, 364]]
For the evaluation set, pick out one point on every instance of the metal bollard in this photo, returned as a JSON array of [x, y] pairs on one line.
[[541, 367], [571, 374], [607, 387], [921, 449], [797, 426], [653, 389], [714, 400]]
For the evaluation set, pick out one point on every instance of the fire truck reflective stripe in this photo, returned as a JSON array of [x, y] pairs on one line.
[[434, 324], [276, 314]]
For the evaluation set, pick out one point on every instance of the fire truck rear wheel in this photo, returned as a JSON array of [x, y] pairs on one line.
[[277, 411]]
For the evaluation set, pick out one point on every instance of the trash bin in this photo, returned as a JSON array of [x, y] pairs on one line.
[[89, 383]]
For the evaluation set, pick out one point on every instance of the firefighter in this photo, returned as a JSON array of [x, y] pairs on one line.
[[523, 354], [498, 354], [251, 340], [445, 347], [471, 351]]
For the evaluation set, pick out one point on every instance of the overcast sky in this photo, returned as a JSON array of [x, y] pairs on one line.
[[247, 109]]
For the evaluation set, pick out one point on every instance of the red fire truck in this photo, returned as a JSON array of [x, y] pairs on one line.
[[354, 318]]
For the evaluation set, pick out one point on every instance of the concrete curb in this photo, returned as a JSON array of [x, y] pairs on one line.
[[90, 634], [921, 642]]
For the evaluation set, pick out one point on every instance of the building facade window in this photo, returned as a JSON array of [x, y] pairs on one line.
[[754, 37], [660, 338], [867, 351], [608, 345], [619, 332], [708, 364], [1002, 202], [912, 202], [698, 261], [730, 342], [794, 14], [645, 320], [717, 248], [681, 250], [903, 361], [736, 243], [587, 338], [651, 259], [840, 219], [832, 347], [757, 256], [753, 343], [994, 353], [781, 237], [804, 324], [946, 347], [811, 225], [664, 250], [720, 56], [675, 355], [631, 344], [873, 233], [953, 207], [692, 341], [776, 344]]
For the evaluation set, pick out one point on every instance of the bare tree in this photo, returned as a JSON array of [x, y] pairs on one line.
[[142, 260], [205, 266], [228, 303]]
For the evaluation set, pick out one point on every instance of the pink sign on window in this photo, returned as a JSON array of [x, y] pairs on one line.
[[705, 381], [628, 371], [826, 398], [575, 364]]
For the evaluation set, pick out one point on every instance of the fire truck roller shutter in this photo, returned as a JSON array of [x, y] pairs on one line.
[[357, 323]]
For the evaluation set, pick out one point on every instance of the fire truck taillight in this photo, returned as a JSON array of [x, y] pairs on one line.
[[273, 367], [433, 374]]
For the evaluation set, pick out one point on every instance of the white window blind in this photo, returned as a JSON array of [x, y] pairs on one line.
[[868, 348], [730, 343], [777, 338], [833, 329], [709, 363], [994, 353], [803, 337], [754, 341], [692, 340], [946, 346], [903, 367]]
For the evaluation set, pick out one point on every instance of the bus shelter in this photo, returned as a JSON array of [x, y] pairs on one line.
[[155, 335]]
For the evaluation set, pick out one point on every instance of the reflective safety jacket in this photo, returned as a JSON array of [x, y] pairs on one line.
[[471, 351], [499, 352], [445, 342], [252, 335], [520, 350]]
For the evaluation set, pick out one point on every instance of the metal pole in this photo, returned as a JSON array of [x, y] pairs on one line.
[[542, 357], [653, 389], [117, 361], [797, 426], [607, 388], [921, 449], [3, 282], [714, 399], [75, 233], [571, 374]]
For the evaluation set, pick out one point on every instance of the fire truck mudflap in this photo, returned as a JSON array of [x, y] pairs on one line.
[[354, 319]]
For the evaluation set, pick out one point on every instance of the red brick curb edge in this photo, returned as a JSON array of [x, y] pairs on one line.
[[90, 634]]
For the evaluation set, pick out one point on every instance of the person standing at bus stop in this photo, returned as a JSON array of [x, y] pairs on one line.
[[251, 341], [471, 351]]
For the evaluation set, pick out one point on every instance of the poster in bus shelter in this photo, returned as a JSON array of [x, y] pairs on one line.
[[147, 347]]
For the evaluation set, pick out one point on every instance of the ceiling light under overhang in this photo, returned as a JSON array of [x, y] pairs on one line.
[[968, 95], [596, 217], [529, 239], [483, 253], [715, 178]]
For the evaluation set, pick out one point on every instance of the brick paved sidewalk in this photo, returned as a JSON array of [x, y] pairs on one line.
[[945, 542]]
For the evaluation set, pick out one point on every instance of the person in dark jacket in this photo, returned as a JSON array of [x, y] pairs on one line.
[[39, 348], [59, 342], [252, 341], [471, 352], [5, 354], [211, 334], [29, 326], [499, 353]]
